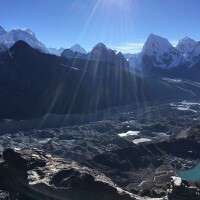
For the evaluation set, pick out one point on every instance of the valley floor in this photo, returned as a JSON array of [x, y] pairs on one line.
[[81, 137], [91, 139]]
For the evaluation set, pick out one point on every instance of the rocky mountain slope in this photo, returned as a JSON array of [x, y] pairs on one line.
[[99, 53], [130, 173], [146, 166], [36, 83], [35, 175], [143, 169]]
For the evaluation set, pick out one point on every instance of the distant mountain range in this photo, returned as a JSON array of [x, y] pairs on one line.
[[164, 55], [99, 52], [158, 57], [7, 39]]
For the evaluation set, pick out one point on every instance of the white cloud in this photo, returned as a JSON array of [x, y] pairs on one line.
[[128, 47]]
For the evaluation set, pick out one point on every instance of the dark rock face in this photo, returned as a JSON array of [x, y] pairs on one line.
[[182, 71], [99, 52], [143, 170], [183, 190], [32, 82], [146, 166], [2, 30], [32, 174], [194, 133], [2, 48]]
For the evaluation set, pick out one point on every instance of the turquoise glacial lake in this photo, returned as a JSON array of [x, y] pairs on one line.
[[190, 174]]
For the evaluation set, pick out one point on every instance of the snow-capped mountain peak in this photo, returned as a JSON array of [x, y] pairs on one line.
[[186, 45], [78, 48], [161, 52], [190, 50], [9, 38], [156, 45], [187, 39]]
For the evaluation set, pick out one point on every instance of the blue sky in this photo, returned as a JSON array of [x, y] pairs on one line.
[[121, 24]]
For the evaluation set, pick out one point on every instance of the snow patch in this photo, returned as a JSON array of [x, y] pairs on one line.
[[127, 122], [45, 141], [189, 103], [177, 180], [162, 134], [140, 140], [129, 133], [173, 80], [185, 106]]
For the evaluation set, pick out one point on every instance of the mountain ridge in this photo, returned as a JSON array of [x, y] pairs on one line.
[[99, 53], [78, 48], [35, 83], [158, 56]]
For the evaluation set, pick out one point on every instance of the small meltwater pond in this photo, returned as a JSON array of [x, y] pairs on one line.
[[190, 174], [129, 133]]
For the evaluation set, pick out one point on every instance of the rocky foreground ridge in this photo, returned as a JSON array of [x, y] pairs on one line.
[[31, 174], [146, 169]]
